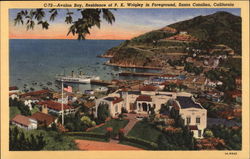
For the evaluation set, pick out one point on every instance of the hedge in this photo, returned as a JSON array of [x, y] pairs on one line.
[[87, 134], [149, 144]]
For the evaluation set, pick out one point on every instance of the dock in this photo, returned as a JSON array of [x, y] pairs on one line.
[[145, 74], [101, 82]]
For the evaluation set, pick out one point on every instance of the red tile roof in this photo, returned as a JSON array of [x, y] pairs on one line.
[[54, 105], [20, 119], [166, 75], [144, 98], [13, 88], [117, 100], [36, 93], [234, 93], [193, 127], [148, 88], [12, 93], [42, 117]]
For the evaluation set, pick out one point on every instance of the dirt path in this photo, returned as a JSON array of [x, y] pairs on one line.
[[95, 145]]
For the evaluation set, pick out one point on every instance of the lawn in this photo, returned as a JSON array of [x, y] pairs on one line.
[[145, 131], [14, 111], [116, 124], [34, 110]]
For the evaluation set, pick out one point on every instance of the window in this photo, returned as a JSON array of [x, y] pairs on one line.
[[198, 120], [116, 108], [188, 120], [199, 133]]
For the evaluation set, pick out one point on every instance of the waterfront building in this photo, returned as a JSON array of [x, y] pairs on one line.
[[14, 89]]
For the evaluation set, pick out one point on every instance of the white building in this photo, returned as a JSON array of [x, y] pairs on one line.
[[115, 104], [142, 102], [194, 115], [24, 122], [29, 102], [13, 96]]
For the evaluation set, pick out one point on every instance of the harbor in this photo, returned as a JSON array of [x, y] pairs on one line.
[[142, 74]]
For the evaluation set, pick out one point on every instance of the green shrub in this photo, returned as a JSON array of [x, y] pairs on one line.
[[87, 134], [148, 144]]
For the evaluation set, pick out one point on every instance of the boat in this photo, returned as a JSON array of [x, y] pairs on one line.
[[101, 89], [77, 79]]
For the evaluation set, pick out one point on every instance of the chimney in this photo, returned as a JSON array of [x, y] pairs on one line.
[[72, 73], [45, 109]]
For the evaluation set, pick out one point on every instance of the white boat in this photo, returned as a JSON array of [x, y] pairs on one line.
[[101, 89], [78, 79]]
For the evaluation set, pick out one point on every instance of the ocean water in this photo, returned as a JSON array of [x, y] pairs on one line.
[[39, 61]]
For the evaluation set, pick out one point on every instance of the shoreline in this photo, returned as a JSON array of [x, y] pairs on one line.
[[132, 66], [105, 56]]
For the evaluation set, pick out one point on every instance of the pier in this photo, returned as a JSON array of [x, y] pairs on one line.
[[145, 74], [101, 82]]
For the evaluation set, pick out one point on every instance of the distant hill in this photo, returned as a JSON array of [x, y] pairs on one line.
[[218, 28], [221, 28]]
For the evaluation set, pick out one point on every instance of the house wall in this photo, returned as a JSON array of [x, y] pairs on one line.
[[115, 109], [32, 125], [159, 100], [193, 113], [128, 99], [19, 125], [13, 96]]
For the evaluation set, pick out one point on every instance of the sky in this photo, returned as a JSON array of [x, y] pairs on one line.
[[129, 23]]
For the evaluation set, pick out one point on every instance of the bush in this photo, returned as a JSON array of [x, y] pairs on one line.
[[148, 144], [20, 141], [208, 133], [108, 133], [87, 134], [121, 134], [102, 112]]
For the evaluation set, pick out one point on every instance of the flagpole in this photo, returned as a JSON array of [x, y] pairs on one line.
[[62, 106]]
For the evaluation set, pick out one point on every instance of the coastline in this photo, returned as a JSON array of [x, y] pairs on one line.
[[105, 56], [132, 66]]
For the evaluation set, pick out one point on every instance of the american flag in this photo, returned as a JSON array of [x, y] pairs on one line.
[[67, 88]]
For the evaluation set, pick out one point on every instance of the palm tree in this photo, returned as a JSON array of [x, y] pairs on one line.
[[80, 27]]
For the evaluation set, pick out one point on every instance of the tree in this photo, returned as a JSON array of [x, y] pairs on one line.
[[162, 142], [20, 141], [103, 112], [208, 133], [87, 121], [80, 27]]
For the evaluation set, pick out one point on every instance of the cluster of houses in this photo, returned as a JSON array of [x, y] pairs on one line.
[[48, 104], [142, 100]]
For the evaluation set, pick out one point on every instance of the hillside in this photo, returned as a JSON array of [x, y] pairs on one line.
[[220, 28]]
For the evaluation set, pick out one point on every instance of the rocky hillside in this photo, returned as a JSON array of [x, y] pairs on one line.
[[218, 28]]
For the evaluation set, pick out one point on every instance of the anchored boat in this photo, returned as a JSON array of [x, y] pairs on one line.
[[77, 79]]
